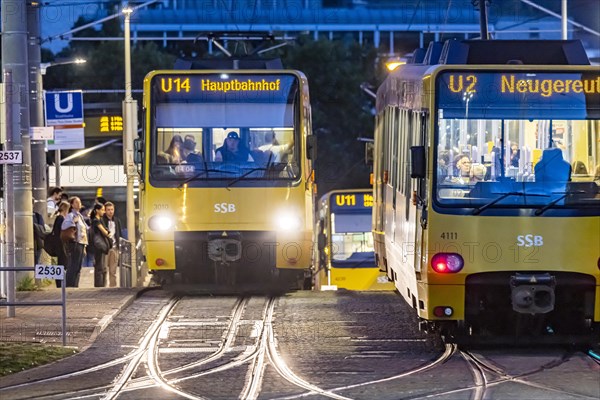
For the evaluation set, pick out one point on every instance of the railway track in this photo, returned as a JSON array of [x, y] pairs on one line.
[[194, 342]]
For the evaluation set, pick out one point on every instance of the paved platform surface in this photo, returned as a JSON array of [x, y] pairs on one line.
[[89, 311]]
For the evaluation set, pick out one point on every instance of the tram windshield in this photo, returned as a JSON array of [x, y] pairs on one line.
[[518, 141], [351, 236], [225, 130]]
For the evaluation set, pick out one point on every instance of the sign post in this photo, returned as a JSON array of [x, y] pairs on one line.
[[64, 112]]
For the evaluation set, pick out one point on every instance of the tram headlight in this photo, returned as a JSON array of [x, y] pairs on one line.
[[288, 221], [160, 223], [447, 263]]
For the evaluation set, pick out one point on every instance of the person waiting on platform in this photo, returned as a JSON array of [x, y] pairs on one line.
[[233, 151], [102, 231]]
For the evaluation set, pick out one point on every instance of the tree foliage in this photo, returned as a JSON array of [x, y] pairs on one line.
[[341, 111]]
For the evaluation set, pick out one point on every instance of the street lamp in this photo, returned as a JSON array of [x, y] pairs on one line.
[[130, 131], [43, 68]]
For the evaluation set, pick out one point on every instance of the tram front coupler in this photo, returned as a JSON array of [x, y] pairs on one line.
[[224, 248], [532, 293]]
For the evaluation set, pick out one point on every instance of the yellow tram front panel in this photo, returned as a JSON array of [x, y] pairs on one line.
[[498, 244], [192, 209], [360, 279]]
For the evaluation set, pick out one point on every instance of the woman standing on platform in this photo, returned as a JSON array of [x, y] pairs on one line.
[[77, 248], [99, 232], [62, 209]]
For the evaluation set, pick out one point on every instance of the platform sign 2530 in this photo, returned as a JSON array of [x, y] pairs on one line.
[[49, 271]]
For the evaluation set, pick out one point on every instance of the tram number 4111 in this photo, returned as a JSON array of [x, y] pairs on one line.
[[49, 271]]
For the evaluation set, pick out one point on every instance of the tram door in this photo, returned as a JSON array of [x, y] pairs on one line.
[[395, 137], [420, 186]]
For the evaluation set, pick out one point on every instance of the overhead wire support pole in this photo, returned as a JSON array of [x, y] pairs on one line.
[[8, 189], [130, 126], [39, 176], [14, 59], [563, 21], [483, 18]]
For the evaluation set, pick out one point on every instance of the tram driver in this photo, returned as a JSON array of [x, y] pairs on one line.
[[233, 151]]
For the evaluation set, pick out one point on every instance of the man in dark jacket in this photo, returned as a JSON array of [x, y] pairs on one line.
[[39, 234], [112, 222]]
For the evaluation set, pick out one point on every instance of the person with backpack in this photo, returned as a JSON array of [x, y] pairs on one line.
[[53, 244]]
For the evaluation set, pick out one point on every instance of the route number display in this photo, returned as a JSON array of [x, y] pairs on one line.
[[11, 157], [49, 271]]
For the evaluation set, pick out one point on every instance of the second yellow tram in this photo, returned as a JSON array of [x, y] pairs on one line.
[[346, 259]]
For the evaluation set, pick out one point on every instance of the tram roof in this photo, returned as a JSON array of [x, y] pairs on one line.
[[476, 52]]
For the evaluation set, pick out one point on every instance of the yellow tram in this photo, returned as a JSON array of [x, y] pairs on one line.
[[345, 257], [226, 194], [486, 200]]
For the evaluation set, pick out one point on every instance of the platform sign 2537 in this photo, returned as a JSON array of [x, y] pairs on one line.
[[11, 157], [49, 271]]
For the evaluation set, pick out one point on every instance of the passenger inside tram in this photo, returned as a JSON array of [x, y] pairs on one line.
[[552, 167]]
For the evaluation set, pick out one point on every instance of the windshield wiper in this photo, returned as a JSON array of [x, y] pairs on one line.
[[548, 206], [201, 173], [239, 178], [484, 207], [245, 174]]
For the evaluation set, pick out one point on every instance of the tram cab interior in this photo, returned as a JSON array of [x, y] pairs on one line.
[[267, 147]]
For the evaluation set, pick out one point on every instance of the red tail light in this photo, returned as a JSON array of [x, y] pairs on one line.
[[447, 263], [160, 262], [443, 311]]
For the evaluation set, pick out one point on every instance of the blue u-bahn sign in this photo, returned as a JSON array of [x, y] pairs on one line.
[[64, 108]]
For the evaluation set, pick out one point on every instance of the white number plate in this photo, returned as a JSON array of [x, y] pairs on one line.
[[11, 157], [49, 271]]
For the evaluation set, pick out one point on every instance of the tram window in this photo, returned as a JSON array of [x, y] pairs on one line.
[[174, 145], [504, 154], [351, 236]]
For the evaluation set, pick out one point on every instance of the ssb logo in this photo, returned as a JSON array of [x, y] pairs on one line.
[[224, 208], [530, 240]]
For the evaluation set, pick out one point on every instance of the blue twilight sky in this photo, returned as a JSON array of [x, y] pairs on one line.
[[58, 16]]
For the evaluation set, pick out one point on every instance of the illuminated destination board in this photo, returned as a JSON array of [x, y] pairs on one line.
[[511, 84], [221, 87], [351, 201], [519, 94]]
